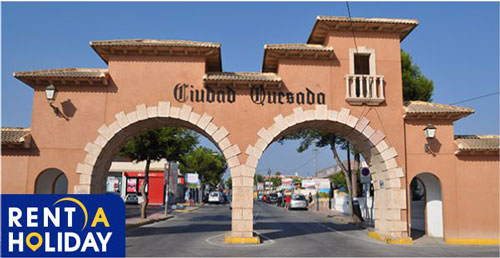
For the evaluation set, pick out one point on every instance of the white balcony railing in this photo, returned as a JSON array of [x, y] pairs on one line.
[[364, 89]]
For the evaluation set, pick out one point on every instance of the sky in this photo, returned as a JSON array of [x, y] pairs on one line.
[[456, 45]]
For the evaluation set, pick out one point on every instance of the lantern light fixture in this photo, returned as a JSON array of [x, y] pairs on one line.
[[50, 93], [430, 131]]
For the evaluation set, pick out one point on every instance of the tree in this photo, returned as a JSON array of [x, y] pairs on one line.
[[171, 143], [276, 181], [258, 178], [229, 183], [338, 180], [415, 85], [210, 165]]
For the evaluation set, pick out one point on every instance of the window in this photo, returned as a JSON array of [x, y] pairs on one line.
[[361, 63]]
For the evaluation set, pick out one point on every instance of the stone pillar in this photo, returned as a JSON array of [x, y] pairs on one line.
[[242, 205]]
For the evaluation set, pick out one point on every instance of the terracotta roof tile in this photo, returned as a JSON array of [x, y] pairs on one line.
[[298, 47], [467, 143], [153, 43], [415, 109], [366, 20], [242, 76], [66, 73], [14, 135]]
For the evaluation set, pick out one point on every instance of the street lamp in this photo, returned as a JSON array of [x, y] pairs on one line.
[[430, 131], [50, 93]]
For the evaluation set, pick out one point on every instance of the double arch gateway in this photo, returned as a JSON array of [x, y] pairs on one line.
[[390, 197]]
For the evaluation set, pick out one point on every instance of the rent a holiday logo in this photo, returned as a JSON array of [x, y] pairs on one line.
[[63, 225]]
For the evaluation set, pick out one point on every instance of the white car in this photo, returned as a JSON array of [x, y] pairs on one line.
[[215, 197], [298, 201], [132, 199]]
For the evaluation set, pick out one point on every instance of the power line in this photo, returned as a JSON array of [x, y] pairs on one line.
[[352, 25], [474, 98]]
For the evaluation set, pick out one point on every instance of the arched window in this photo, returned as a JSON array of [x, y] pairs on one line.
[[51, 181]]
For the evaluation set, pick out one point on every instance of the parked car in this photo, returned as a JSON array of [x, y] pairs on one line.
[[215, 197], [298, 201], [132, 199], [272, 198]]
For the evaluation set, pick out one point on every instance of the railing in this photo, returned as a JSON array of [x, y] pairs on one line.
[[364, 89]]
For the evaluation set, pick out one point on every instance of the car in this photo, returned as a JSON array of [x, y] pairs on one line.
[[298, 201], [132, 199], [215, 197], [272, 198]]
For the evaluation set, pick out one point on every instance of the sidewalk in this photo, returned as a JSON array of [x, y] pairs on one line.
[[155, 214]]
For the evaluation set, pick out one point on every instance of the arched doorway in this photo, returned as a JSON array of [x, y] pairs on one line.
[[51, 181], [426, 206]]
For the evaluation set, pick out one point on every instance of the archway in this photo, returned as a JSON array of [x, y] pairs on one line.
[[426, 206], [111, 137], [51, 181], [390, 195]]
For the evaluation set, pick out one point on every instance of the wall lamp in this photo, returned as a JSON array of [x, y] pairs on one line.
[[430, 133], [50, 95]]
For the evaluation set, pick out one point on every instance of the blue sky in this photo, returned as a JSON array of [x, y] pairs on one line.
[[456, 45]]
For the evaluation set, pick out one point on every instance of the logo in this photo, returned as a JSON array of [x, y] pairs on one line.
[[63, 225]]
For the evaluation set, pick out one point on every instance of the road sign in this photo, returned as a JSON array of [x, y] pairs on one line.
[[365, 176]]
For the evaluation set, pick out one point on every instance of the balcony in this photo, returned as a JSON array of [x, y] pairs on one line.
[[364, 89]]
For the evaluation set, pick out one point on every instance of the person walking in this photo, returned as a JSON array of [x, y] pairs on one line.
[[287, 202], [310, 197]]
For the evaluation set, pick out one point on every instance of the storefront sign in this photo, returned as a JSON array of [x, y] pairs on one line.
[[308, 184], [258, 94]]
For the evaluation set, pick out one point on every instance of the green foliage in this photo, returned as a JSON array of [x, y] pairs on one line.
[[258, 178], [415, 85], [338, 180], [296, 180], [229, 183], [276, 181], [171, 143], [210, 165]]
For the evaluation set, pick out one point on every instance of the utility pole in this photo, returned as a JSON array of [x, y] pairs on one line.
[[166, 176], [315, 151]]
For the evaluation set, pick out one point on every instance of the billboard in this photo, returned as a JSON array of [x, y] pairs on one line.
[[192, 180], [260, 186], [308, 184], [286, 183]]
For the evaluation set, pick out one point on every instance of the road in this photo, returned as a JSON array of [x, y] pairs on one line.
[[285, 233]]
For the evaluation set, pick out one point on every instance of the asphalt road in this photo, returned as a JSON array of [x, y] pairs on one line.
[[285, 233]]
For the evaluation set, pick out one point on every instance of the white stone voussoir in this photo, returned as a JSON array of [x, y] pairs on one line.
[[194, 118], [83, 168], [164, 108], [93, 149], [204, 121], [332, 115], [321, 112], [152, 112], [224, 144], [233, 162], [232, 151], [265, 135], [309, 115], [122, 119], [291, 120], [132, 117], [280, 122], [352, 121], [299, 114], [211, 128], [220, 134], [389, 153], [142, 112], [343, 115], [185, 112], [175, 112]]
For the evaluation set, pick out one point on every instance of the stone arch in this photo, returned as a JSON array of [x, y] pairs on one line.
[[390, 194], [99, 153], [51, 181]]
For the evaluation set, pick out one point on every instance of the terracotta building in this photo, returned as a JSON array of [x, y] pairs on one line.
[[331, 82]]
